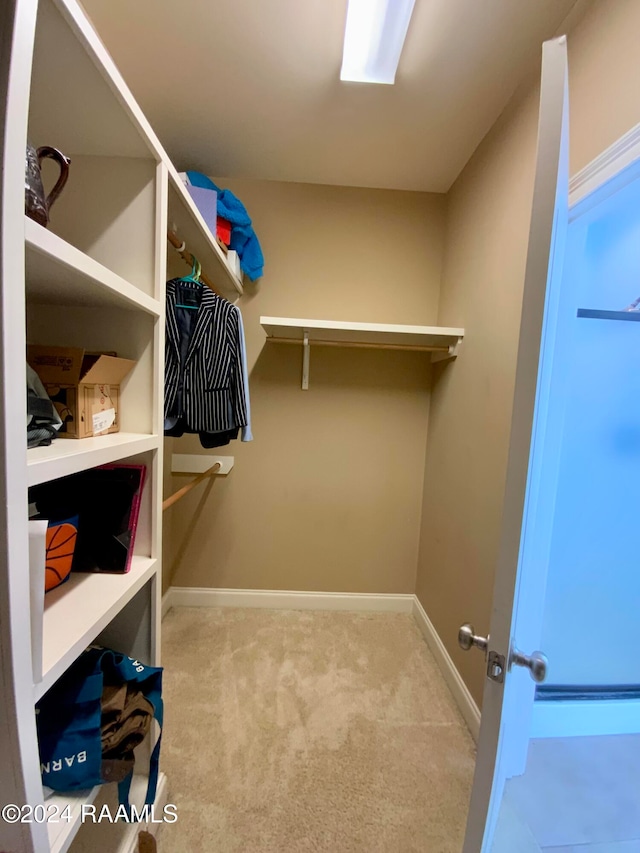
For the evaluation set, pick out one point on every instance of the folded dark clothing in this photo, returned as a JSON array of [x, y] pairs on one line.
[[217, 439], [126, 719], [207, 439]]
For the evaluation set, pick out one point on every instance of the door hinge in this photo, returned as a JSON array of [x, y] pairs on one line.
[[495, 667]]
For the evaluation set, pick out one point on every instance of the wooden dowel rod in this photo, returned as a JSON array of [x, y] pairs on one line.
[[409, 347], [175, 497], [175, 241]]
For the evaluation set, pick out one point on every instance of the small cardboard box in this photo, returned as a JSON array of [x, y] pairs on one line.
[[84, 387]]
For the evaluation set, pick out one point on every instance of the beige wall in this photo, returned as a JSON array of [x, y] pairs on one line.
[[328, 495], [487, 223]]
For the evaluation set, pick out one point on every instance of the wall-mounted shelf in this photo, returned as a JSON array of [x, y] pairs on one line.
[[442, 342], [597, 314]]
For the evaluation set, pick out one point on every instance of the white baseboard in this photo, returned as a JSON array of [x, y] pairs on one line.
[[464, 699], [167, 602], [275, 599], [573, 718]]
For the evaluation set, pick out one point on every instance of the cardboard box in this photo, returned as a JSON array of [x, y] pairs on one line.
[[84, 387]]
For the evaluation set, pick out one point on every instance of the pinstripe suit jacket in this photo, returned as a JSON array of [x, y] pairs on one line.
[[204, 381]]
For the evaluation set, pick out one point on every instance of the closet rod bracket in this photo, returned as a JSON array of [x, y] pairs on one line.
[[305, 361], [446, 356]]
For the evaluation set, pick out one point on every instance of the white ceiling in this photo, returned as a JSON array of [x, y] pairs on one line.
[[251, 88]]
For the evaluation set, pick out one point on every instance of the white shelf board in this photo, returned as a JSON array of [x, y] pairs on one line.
[[373, 334], [76, 611], [59, 274], [186, 220], [62, 834], [67, 455]]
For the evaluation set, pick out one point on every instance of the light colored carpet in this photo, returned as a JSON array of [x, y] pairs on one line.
[[309, 731]]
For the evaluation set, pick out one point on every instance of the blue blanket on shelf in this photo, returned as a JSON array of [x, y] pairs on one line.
[[243, 238]]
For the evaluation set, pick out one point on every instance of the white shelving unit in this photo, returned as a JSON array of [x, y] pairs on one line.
[[442, 342], [93, 279]]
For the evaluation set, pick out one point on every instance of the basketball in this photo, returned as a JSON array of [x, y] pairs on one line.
[[61, 541]]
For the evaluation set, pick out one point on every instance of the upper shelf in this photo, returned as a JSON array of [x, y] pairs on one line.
[[442, 342], [436, 339], [186, 221]]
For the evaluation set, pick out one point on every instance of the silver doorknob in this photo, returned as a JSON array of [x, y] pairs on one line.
[[467, 638], [536, 663]]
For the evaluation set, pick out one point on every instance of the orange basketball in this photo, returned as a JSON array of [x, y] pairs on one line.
[[61, 541]]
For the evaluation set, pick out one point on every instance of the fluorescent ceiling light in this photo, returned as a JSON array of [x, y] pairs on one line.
[[373, 39]]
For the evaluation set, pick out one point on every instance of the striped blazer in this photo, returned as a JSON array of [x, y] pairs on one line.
[[204, 371]]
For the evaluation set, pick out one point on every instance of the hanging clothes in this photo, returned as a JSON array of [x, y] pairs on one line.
[[206, 381]]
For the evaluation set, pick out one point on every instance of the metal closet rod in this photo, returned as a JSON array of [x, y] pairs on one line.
[[176, 496], [185, 254]]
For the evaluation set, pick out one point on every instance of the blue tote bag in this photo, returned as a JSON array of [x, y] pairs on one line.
[[70, 720]]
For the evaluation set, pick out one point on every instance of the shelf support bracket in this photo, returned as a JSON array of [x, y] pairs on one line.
[[305, 361]]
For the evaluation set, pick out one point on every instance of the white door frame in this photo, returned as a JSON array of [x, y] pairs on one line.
[[611, 163]]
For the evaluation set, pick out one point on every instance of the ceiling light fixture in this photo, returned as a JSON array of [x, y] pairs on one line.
[[373, 39]]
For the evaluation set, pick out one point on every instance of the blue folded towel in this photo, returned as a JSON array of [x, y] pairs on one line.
[[243, 238]]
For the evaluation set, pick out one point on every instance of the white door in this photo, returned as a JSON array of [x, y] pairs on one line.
[[518, 600]]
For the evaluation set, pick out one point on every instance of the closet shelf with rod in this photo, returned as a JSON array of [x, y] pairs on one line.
[[442, 342], [186, 225], [185, 254]]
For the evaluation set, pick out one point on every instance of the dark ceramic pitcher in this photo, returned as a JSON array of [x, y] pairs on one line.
[[36, 204]]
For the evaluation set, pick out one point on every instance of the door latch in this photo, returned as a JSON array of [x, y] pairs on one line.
[[495, 667]]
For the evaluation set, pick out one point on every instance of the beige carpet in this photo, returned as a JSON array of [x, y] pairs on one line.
[[309, 731]]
